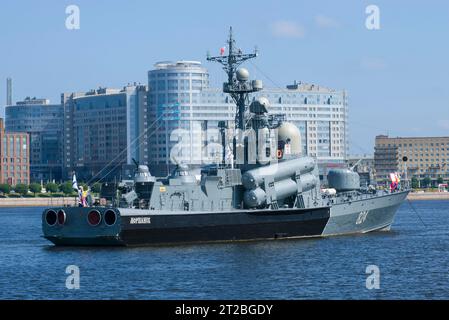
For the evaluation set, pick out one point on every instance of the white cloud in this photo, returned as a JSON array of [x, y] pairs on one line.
[[373, 64], [287, 29], [323, 21]]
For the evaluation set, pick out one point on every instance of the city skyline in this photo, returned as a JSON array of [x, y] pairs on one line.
[[392, 75]]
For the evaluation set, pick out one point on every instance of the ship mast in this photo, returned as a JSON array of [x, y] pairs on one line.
[[237, 88]]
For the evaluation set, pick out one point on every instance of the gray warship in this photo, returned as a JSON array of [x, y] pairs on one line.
[[262, 188]]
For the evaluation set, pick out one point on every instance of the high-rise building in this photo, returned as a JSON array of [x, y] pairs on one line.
[[426, 157], [180, 99], [15, 156], [174, 101], [8, 91], [44, 124], [8, 96], [104, 130]]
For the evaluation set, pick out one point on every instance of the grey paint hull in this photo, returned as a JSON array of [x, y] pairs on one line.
[[375, 213], [364, 215]]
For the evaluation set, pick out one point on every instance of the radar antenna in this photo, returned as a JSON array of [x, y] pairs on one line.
[[237, 88]]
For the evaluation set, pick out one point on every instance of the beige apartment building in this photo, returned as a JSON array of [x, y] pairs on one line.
[[426, 157]]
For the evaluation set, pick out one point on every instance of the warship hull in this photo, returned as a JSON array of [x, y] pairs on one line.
[[135, 227]]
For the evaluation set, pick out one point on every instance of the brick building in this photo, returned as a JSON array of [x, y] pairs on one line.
[[15, 157]]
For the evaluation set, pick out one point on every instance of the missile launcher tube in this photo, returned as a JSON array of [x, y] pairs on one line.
[[283, 189], [280, 171]]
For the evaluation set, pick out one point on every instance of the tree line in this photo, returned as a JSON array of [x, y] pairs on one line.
[[425, 182], [50, 188]]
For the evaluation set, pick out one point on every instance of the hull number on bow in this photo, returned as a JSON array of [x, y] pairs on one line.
[[362, 217]]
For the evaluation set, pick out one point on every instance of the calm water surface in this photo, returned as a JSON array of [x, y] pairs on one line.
[[413, 259]]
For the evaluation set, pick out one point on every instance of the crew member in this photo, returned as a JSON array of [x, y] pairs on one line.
[[82, 197]]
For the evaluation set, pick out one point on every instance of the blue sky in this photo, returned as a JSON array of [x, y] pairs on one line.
[[396, 77]]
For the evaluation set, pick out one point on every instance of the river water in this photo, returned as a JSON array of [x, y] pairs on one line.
[[412, 260]]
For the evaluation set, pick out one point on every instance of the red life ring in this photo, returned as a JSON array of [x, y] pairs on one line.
[[279, 154]]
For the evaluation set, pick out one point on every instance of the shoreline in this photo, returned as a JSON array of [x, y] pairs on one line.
[[428, 196], [37, 202]]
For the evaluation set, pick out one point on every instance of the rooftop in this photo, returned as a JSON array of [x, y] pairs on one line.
[[386, 137], [174, 64], [33, 101], [102, 91], [303, 86]]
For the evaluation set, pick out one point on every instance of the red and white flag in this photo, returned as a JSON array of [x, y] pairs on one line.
[[222, 50], [394, 177]]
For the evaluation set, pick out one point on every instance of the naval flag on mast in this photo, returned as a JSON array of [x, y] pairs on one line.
[[74, 183]]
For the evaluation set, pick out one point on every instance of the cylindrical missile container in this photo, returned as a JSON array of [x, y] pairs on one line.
[[279, 171], [343, 180], [283, 189]]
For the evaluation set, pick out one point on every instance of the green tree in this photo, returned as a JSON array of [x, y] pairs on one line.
[[51, 187], [35, 188], [440, 180], [82, 184], [5, 188], [426, 182], [415, 183], [21, 188], [96, 188], [66, 187]]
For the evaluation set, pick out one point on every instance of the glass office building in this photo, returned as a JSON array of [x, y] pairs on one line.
[[104, 130], [44, 124]]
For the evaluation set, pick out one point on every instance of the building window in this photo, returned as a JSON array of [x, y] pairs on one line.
[[11, 144]]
